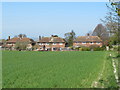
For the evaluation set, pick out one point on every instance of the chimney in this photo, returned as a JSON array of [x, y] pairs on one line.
[[39, 37], [88, 34], [52, 35], [8, 37]]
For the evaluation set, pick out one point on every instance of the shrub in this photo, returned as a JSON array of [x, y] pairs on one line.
[[85, 49], [80, 49], [99, 49], [21, 45], [77, 48], [116, 48], [119, 48]]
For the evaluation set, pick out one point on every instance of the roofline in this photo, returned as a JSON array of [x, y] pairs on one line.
[[51, 42]]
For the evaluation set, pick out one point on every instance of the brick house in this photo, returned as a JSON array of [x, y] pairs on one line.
[[53, 43], [87, 41], [1, 43], [10, 43]]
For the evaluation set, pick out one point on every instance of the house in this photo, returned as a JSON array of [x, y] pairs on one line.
[[11, 42], [53, 43], [2, 43], [87, 41]]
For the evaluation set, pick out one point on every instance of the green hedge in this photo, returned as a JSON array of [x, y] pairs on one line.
[[92, 48]]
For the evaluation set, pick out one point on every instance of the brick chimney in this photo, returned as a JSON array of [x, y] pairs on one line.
[[88, 34], [8, 37], [40, 38]]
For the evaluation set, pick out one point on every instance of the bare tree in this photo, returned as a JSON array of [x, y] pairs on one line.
[[101, 32], [112, 21], [22, 35]]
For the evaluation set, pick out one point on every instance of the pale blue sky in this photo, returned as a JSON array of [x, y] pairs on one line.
[[47, 18]]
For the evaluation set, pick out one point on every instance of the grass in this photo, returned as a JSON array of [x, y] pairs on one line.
[[51, 69], [0, 69], [108, 78]]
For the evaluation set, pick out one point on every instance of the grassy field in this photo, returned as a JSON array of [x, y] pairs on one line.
[[0, 69], [54, 69]]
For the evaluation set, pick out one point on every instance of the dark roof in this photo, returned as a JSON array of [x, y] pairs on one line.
[[17, 39], [51, 39], [87, 38]]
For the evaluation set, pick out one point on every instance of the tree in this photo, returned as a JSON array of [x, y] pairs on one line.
[[112, 23], [69, 37], [101, 32], [22, 35], [21, 45]]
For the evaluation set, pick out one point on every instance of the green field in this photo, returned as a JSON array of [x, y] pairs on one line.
[[76, 69]]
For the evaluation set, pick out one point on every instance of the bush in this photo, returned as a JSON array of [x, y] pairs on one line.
[[85, 49], [21, 45], [99, 49], [119, 48], [77, 48], [116, 48], [91, 48], [80, 49]]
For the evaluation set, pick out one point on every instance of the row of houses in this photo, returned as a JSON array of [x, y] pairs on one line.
[[53, 43]]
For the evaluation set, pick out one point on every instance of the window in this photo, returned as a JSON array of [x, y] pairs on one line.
[[91, 42], [40, 43], [9, 43], [83, 42], [47, 43], [54, 49], [97, 42], [60, 43], [54, 43]]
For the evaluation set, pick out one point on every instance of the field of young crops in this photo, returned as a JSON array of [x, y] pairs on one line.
[[73, 69]]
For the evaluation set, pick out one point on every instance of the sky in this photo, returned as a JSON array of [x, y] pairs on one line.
[[50, 18], [57, 0]]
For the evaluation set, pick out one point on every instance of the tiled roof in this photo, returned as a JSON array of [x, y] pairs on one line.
[[45, 39], [87, 38], [17, 39], [51, 39]]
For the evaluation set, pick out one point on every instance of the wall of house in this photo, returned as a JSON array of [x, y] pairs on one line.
[[29, 46], [51, 45], [13, 45], [10, 43], [87, 44]]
